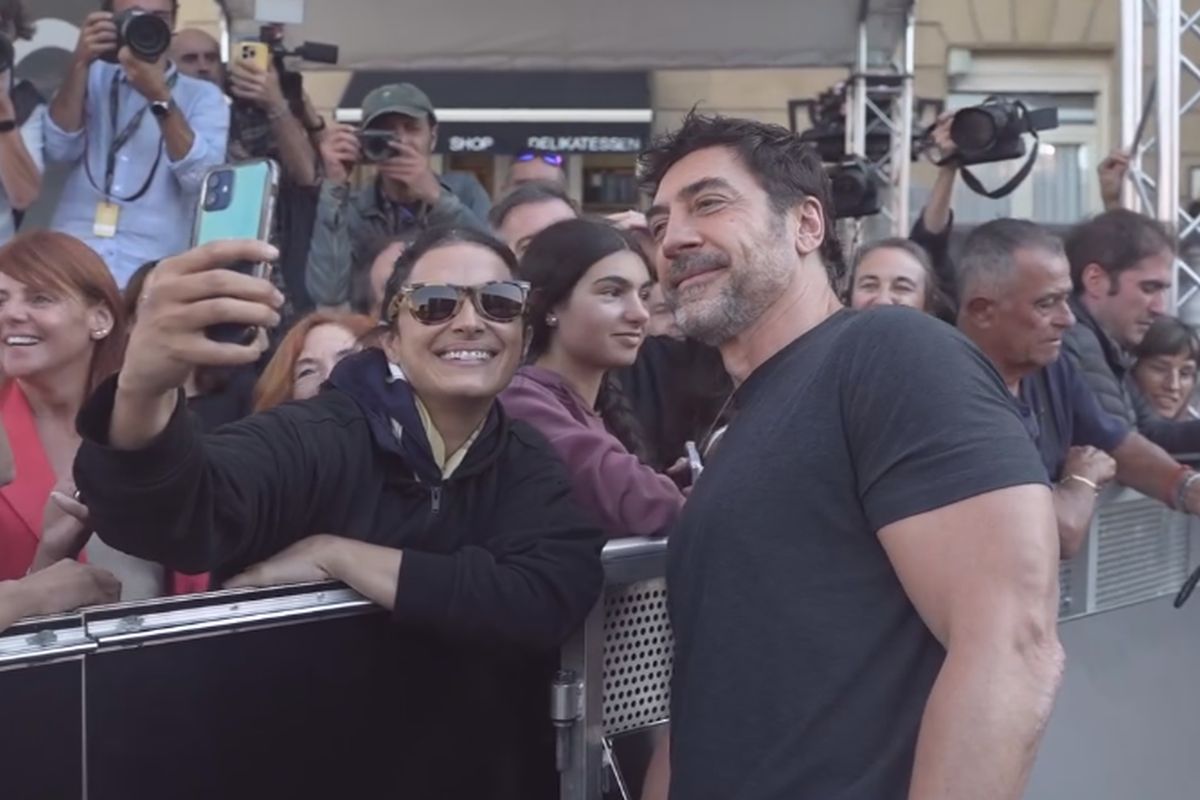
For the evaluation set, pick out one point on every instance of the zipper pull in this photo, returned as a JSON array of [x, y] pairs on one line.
[[436, 496]]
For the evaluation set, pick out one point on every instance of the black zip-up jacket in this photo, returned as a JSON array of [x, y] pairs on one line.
[[499, 565]]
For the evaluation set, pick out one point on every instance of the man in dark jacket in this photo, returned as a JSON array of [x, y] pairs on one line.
[[1121, 265], [442, 511]]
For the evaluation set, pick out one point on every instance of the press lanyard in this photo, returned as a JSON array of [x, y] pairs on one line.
[[120, 139]]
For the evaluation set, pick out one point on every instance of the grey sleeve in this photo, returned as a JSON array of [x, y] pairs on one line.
[[327, 271], [450, 211]]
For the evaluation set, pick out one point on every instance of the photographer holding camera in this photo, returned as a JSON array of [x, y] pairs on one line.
[[399, 129], [139, 135], [22, 113]]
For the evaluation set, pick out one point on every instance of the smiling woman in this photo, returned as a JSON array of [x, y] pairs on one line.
[[63, 330], [307, 355], [588, 315], [403, 478]]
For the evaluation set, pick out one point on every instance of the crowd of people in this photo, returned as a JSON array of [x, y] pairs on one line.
[[452, 404]]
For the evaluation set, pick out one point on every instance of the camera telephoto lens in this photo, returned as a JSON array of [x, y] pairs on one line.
[[146, 35]]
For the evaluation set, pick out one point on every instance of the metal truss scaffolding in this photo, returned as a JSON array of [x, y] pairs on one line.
[[1155, 68], [882, 99]]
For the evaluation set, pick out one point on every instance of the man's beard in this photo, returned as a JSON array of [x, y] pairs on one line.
[[748, 290]]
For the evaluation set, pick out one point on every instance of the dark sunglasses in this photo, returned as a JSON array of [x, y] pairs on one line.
[[553, 159], [433, 303]]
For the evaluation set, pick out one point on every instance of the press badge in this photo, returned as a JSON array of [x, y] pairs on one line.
[[107, 215]]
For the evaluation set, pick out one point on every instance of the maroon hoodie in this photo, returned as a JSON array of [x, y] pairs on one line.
[[625, 495]]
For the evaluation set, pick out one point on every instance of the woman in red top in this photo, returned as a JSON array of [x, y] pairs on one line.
[[62, 331]]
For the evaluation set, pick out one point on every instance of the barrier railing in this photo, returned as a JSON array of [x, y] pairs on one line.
[[613, 685]]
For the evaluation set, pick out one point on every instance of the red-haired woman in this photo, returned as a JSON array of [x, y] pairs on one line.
[[62, 331], [306, 356]]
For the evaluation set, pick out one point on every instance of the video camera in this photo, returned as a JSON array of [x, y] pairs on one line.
[[855, 189], [290, 81], [827, 116]]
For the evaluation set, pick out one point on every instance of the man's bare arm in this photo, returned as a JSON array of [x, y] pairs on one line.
[[983, 574]]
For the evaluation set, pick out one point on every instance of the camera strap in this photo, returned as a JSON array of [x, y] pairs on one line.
[[976, 186], [120, 139]]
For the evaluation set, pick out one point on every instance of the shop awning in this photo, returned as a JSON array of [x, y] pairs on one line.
[[585, 34], [503, 111]]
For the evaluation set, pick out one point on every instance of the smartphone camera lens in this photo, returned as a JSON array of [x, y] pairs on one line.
[[220, 191]]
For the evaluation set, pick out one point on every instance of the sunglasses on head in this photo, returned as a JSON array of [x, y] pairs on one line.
[[553, 159], [433, 303]]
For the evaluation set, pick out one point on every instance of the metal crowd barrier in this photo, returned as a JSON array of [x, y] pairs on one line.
[[119, 702]]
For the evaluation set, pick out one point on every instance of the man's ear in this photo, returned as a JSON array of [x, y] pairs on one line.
[[807, 221], [1095, 280], [980, 311], [433, 138]]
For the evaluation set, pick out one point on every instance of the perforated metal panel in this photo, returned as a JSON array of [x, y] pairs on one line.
[[1065, 590], [1143, 552], [638, 648]]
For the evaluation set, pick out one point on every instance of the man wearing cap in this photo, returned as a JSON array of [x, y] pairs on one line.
[[406, 194]]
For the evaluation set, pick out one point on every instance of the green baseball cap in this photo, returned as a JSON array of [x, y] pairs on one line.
[[396, 98]]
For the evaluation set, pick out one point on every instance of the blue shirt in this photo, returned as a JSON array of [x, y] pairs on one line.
[[1060, 411], [158, 224]]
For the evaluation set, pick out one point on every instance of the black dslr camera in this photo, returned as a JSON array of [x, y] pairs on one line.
[[147, 36], [376, 145], [992, 131]]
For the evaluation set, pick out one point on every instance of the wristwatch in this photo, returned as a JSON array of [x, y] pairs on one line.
[[160, 108], [8, 125]]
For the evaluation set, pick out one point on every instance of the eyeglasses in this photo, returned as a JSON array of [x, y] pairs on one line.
[[553, 159], [434, 303]]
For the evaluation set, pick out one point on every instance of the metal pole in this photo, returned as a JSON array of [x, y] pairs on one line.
[[1132, 66], [1168, 46], [860, 93], [902, 161]]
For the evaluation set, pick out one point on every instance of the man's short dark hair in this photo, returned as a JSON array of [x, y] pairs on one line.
[[528, 194], [360, 278], [789, 170], [987, 254], [13, 13], [1116, 241]]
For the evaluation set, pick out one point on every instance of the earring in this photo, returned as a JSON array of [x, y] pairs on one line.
[[552, 320], [100, 334]]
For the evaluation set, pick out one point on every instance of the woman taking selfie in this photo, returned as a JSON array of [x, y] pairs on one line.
[[307, 355], [403, 478], [587, 316]]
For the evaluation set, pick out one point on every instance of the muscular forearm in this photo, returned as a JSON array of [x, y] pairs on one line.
[[67, 108], [984, 720], [1074, 505], [369, 569], [295, 149], [1145, 467], [19, 173]]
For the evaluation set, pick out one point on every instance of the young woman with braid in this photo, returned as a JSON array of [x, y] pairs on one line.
[[587, 316]]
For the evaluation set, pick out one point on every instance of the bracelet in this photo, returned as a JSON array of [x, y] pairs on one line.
[[1181, 492], [1170, 495], [1080, 479]]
